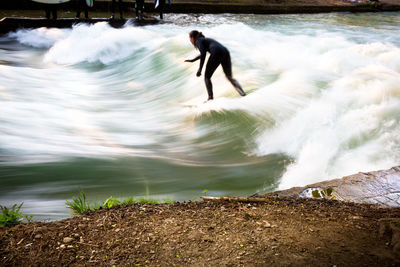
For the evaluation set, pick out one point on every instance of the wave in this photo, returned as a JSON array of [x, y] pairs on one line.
[[324, 100]]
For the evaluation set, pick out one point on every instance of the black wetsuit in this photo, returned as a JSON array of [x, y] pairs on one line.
[[161, 5], [219, 54], [113, 8], [50, 9], [139, 6], [81, 4]]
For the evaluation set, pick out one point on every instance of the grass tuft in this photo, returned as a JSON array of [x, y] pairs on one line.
[[12, 216], [79, 205]]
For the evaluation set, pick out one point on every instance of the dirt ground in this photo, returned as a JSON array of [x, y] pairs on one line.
[[278, 232]]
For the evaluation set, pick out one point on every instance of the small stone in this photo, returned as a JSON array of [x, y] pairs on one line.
[[41, 228], [67, 240], [62, 246], [38, 236], [76, 235], [267, 224]]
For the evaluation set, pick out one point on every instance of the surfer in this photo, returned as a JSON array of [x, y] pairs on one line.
[[81, 4], [113, 9], [139, 6], [219, 54]]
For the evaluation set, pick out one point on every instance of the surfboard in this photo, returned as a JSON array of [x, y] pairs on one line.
[[51, 1], [89, 3], [249, 91]]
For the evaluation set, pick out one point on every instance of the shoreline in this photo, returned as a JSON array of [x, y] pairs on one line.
[[281, 231], [276, 229], [66, 11], [230, 6]]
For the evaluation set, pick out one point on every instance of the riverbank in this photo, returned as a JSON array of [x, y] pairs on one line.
[[231, 6], [277, 229], [280, 231], [29, 14]]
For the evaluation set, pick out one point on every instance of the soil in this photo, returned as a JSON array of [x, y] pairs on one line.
[[279, 231]]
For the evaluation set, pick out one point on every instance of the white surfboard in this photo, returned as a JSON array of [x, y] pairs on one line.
[[51, 1], [89, 3]]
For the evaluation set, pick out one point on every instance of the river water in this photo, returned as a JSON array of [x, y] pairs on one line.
[[110, 110]]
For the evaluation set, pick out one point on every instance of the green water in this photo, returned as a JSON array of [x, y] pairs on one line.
[[118, 111]]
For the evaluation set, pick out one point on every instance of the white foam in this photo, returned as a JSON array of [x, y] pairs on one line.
[[41, 37], [324, 96], [101, 43]]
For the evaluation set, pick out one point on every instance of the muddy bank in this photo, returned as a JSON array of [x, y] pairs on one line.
[[276, 229], [280, 231]]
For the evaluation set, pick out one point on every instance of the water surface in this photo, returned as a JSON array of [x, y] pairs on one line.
[[110, 110]]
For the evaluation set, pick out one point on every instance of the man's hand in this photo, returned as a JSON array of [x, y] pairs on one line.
[[198, 74]]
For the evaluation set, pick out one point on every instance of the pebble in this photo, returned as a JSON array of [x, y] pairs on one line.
[[38, 236], [267, 224], [41, 228], [67, 240]]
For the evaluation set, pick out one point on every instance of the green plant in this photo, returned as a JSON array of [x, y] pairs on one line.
[[148, 201], [132, 200], [79, 204], [28, 218], [111, 202], [12, 216], [129, 201]]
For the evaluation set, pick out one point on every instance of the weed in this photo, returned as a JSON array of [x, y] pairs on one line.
[[12, 216], [129, 201], [148, 201], [111, 202], [79, 205]]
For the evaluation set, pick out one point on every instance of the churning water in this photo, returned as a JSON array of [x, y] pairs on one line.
[[109, 110]]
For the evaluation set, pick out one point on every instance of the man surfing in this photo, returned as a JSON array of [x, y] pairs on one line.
[[219, 54]]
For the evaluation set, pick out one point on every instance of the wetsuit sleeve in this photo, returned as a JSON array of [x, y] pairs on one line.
[[203, 52], [195, 59]]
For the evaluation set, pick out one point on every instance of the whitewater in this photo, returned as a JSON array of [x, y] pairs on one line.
[[118, 111]]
